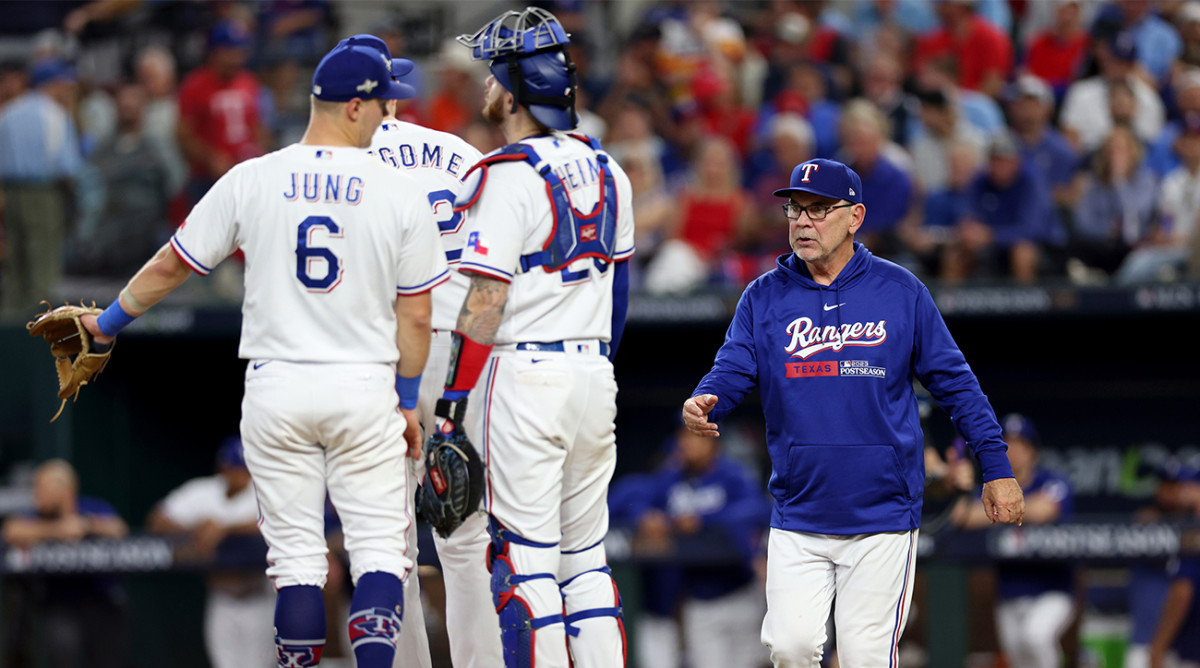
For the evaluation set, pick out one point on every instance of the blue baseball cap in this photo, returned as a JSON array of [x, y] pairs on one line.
[[355, 70], [50, 70], [1019, 425], [228, 34], [399, 66], [827, 178], [231, 453], [1123, 46]]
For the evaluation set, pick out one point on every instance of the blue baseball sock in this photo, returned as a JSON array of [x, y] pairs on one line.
[[375, 613], [299, 625]]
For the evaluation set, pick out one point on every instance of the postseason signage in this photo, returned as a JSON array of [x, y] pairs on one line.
[[132, 555], [1087, 541]]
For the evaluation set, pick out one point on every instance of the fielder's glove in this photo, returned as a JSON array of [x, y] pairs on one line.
[[453, 484], [77, 357]]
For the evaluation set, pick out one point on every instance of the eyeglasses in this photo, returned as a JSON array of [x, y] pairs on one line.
[[816, 212]]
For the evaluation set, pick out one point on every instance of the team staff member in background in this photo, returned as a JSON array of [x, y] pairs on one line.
[[237, 614], [439, 161], [1179, 626], [341, 253], [81, 619], [833, 337], [706, 491], [550, 230], [1036, 601]]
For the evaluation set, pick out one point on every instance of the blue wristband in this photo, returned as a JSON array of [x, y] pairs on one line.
[[114, 319], [408, 389]]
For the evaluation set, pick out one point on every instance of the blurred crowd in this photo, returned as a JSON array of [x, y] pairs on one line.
[[996, 139]]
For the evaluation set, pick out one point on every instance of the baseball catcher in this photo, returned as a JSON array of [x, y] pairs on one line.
[[453, 484], [77, 356]]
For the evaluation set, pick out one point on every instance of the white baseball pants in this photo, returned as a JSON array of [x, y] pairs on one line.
[[870, 575], [549, 443], [1028, 628], [239, 631], [471, 622], [724, 631], [311, 427]]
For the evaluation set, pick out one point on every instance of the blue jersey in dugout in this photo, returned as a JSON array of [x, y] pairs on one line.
[[1032, 579], [725, 497], [1187, 640], [834, 365]]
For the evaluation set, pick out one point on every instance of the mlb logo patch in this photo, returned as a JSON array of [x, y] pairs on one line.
[[475, 243], [587, 232], [324, 155]]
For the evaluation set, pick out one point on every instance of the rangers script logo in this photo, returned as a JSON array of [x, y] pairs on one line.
[[808, 340]]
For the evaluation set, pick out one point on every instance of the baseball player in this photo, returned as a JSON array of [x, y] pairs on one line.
[[1035, 602], [549, 232], [833, 338], [439, 162], [341, 253], [237, 614]]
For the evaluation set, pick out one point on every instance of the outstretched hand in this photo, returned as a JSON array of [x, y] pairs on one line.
[[1003, 501], [695, 415]]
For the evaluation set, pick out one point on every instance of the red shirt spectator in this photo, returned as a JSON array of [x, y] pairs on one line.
[[223, 113], [1055, 60], [219, 115], [711, 219], [983, 53], [722, 113], [1056, 53]]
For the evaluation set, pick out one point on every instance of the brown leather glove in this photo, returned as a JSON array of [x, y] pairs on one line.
[[76, 356]]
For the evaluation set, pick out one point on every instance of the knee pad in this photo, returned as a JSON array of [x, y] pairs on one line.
[[510, 589]]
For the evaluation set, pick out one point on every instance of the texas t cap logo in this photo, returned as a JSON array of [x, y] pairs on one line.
[[825, 178]]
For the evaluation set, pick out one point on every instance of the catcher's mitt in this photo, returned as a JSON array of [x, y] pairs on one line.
[[453, 484], [76, 356]]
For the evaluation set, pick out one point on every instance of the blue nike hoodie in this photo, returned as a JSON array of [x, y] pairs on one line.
[[834, 365]]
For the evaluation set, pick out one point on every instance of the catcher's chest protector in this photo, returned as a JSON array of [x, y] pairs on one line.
[[576, 234]]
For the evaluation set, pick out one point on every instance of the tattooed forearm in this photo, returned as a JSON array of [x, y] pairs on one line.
[[482, 309]]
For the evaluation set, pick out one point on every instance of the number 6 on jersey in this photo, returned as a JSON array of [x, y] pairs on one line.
[[309, 257]]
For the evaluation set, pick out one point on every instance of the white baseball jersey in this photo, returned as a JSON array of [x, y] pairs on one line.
[[238, 629], [203, 499], [439, 161], [330, 237], [513, 217]]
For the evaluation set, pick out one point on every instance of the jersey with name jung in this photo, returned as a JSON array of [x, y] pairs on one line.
[[439, 161], [512, 217], [330, 238]]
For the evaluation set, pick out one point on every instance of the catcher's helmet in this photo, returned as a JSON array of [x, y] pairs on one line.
[[528, 54]]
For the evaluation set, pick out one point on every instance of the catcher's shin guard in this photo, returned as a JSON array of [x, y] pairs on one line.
[[594, 621], [527, 603]]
